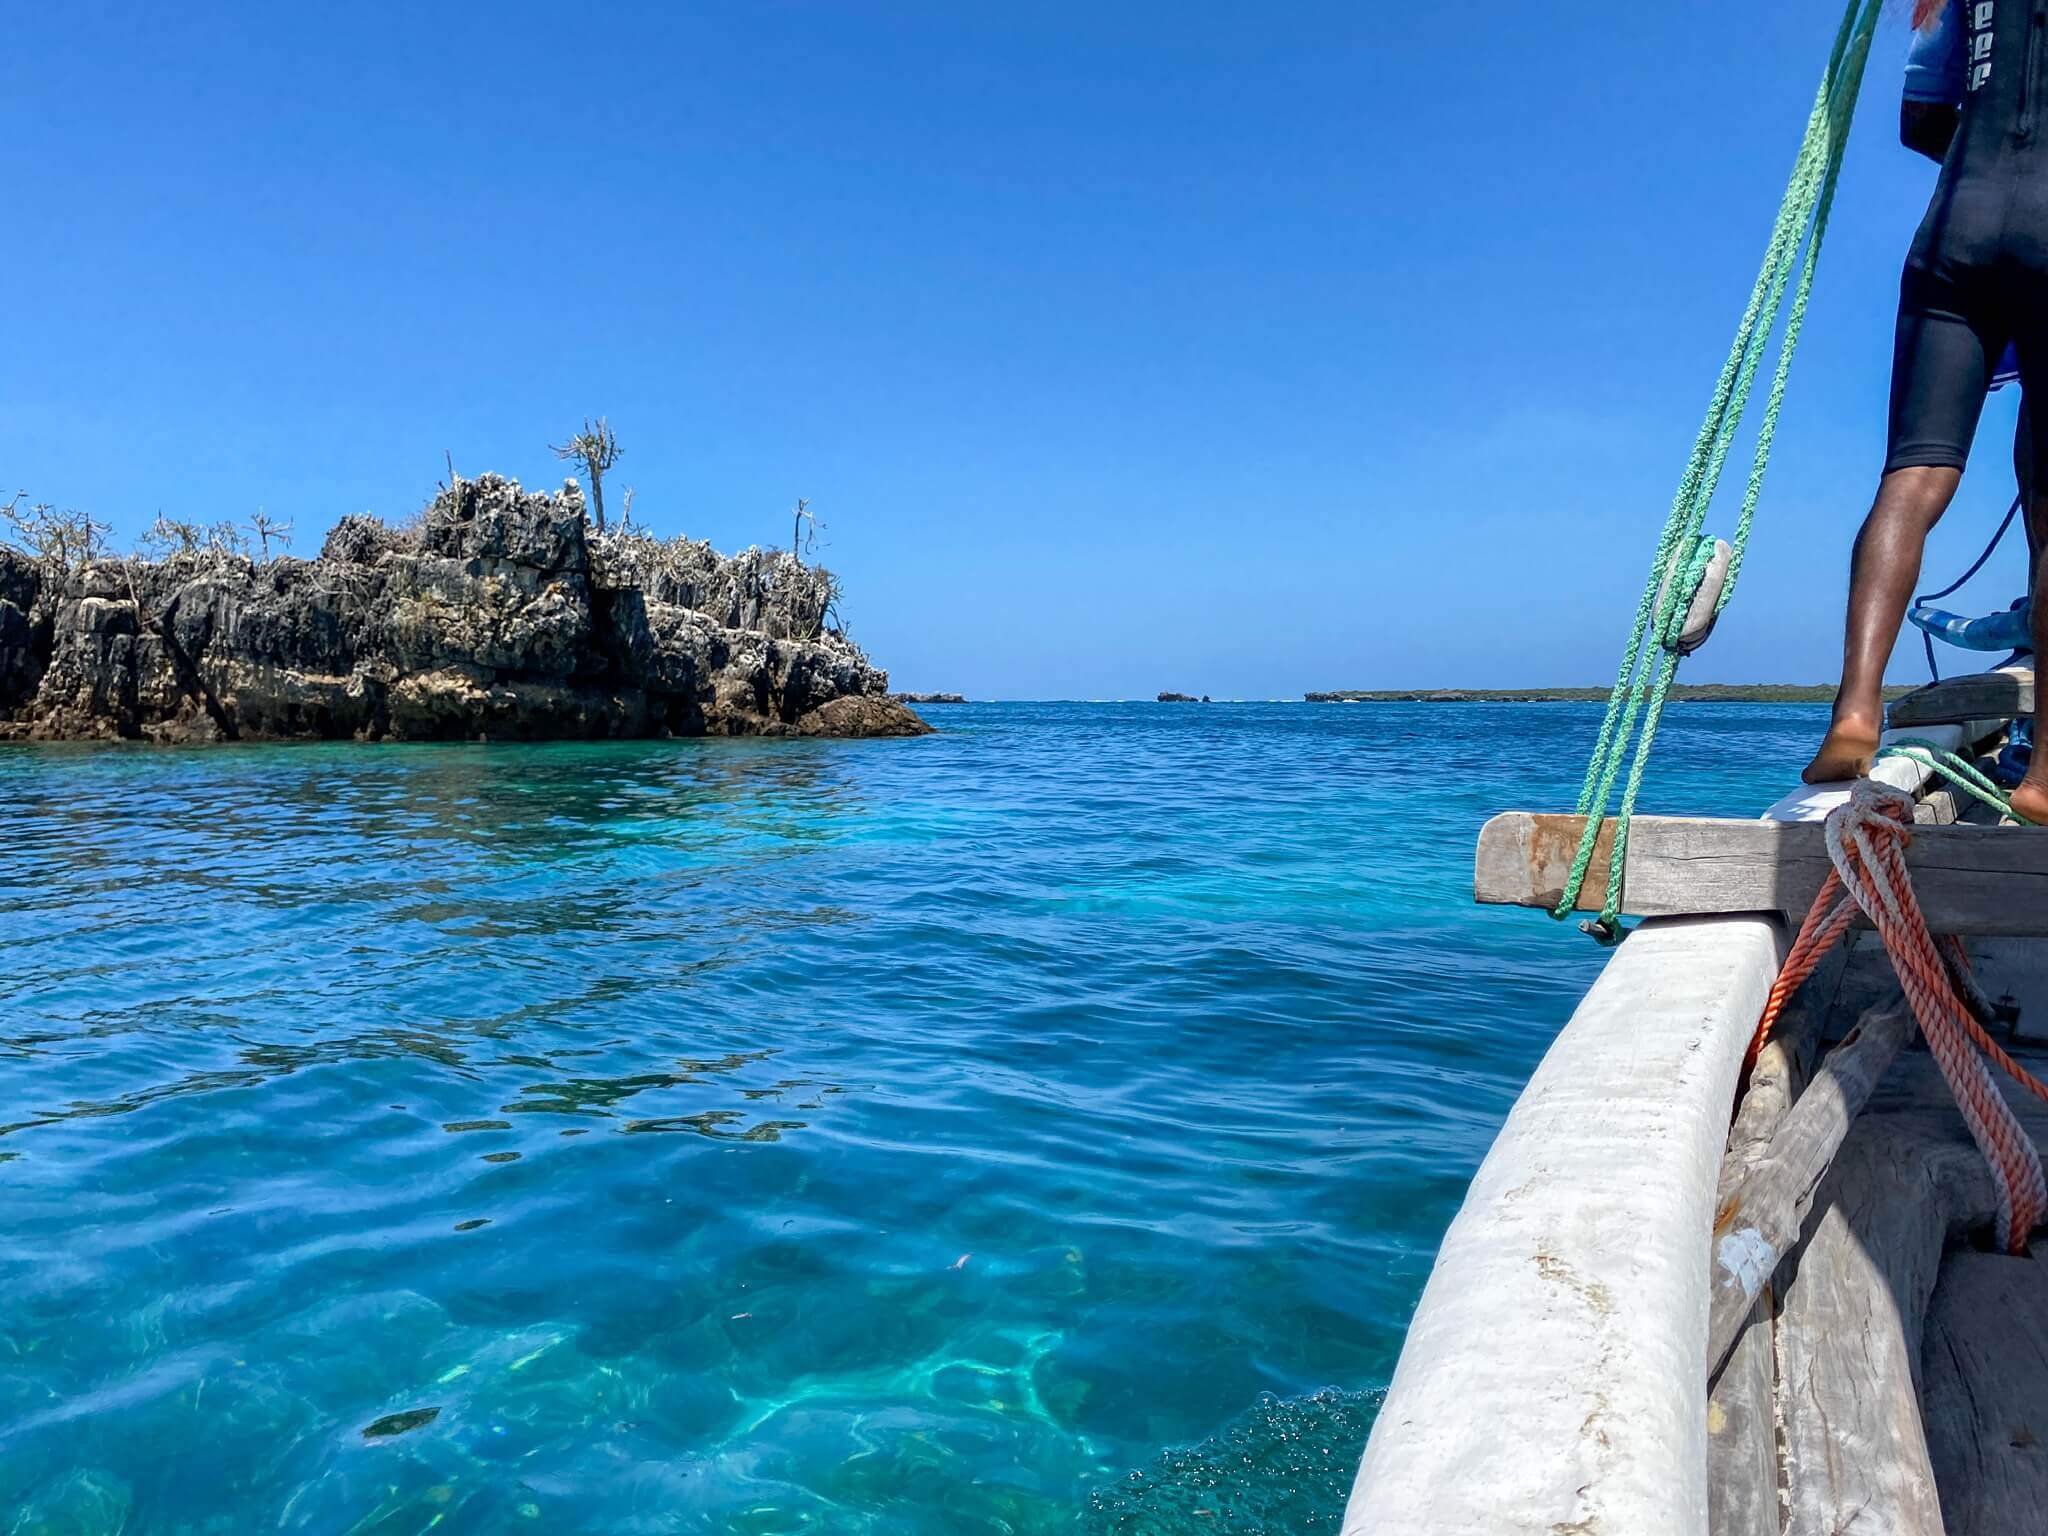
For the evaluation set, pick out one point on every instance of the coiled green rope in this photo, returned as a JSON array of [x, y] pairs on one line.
[[1647, 671]]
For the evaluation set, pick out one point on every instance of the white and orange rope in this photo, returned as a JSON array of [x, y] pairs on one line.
[[1866, 840]]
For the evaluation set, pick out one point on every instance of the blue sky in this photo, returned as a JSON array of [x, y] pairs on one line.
[[1236, 349]]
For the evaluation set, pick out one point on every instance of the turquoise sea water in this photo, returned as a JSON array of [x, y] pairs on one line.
[[1042, 1126]]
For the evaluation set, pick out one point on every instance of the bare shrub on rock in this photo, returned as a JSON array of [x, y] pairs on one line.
[[62, 540]]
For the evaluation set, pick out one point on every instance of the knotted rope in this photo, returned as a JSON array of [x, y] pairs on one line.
[[1866, 839]]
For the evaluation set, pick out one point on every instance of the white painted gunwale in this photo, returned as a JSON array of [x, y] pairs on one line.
[[1554, 1374]]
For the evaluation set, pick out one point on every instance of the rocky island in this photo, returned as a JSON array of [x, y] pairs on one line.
[[497, 614]]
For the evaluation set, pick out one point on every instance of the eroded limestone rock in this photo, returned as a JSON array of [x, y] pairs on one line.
[[498, 616]]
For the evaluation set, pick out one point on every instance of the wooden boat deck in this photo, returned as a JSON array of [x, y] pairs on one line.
[[1899, 1382], [1902, 1383], [1892, 1376], [1984, 1392]]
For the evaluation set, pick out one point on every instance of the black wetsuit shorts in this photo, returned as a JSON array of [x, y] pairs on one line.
[[1977, 275]]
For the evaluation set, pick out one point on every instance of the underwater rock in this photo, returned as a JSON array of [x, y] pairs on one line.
[[400, 1423], [499, 616]]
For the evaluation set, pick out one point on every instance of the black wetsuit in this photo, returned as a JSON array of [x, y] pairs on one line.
[[1977, 275]]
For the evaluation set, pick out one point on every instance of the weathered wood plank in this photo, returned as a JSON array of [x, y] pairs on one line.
[[1742, 1437], [1970, 879], [1943, 804], [1758, 1222], [1868, 981], [1742, 1430], [2014, 975], [1985, 1403], [1906, 1182], [1783, 1067], [1849, 1344], [2007, 693]]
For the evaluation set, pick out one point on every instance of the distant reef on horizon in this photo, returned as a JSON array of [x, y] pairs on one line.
[[496, 614], [1683, 693]]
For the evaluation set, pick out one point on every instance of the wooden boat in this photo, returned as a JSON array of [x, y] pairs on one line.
[[1893, 1376]]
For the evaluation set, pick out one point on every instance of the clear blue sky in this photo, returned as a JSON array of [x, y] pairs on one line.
[[1239, 349]]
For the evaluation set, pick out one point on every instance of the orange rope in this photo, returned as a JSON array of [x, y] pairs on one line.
[[1867, 838]]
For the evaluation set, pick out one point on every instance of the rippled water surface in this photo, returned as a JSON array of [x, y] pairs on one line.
[[1042, 1126]]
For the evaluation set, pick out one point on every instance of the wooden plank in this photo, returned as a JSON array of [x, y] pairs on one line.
[[1943, 804], [1868, 981], [1970, 879], [1849, 1344], [2014, 975], [1742, 1437], [2007, 693], [1783, 1068], [1742, 1430], [1758, 1222], [1908, 1181], [1985, 1403]]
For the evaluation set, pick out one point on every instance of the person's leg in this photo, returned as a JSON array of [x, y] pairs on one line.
[[2030, 799], [1882, 574], [2023, 478], [1941, 367]]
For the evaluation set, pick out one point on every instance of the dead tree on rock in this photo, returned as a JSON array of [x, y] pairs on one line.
[[802, 538], [268, 528], [597, 450]]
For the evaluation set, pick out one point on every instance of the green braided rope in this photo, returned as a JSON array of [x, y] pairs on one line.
[[1961, 772], [1714, 429], [1716, 433], [1794, 245], [1824, 196], [1844, 111]]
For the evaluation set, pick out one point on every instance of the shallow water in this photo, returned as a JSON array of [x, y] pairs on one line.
[[1045, 1125]]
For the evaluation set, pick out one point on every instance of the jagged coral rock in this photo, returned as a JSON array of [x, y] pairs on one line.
[[497, 616]]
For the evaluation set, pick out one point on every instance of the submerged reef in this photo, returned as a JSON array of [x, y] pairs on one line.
[[497, 614]]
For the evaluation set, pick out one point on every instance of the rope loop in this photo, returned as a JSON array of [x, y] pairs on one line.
[[1867, 837]]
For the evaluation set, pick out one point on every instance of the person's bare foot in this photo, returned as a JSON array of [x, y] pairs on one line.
[[2030, 800], [1848, 752]]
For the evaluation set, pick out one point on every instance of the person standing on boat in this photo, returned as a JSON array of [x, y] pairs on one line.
[[1928, 111], [1975, 282]]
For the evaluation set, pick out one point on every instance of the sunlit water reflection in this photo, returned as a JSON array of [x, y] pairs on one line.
[[1044, 1124]]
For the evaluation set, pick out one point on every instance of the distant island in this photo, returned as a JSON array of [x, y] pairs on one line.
[[1182, 698], [929, 698], [1683, 693], [497, 613]]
